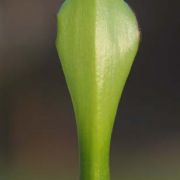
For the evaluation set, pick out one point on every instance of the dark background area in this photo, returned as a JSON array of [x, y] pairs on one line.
[[37, 126]]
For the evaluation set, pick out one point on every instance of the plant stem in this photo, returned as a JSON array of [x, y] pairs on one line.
[[94, 161]]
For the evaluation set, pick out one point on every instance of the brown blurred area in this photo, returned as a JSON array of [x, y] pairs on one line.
[[37, 126], [35, 108]]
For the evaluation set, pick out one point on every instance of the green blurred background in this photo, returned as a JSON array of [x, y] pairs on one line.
[[37, 127]]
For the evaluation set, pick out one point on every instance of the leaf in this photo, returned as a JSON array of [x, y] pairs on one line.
[[97, 41]]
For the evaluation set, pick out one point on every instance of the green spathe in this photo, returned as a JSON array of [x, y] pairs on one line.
[[97, 41]]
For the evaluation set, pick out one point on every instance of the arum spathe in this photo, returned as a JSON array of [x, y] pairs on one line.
[[97, 41]]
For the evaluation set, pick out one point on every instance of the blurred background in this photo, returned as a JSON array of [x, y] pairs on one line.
[[38, 138]]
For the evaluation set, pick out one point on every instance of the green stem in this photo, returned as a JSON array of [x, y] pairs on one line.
[[94, 166], [94, 157], [94, 134]]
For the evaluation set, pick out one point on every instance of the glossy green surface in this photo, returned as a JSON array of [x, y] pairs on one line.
[[97, 41]]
